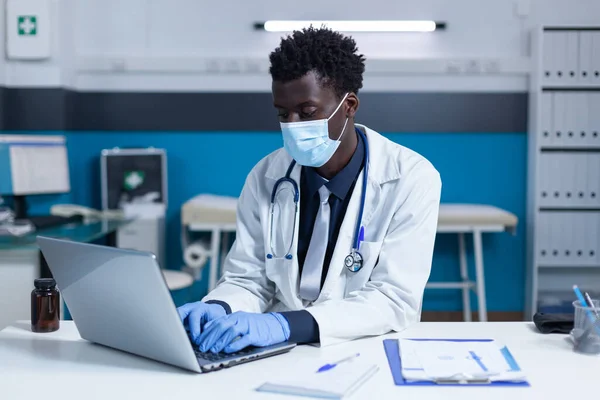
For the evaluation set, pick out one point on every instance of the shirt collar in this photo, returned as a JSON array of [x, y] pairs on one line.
[[341, 183]]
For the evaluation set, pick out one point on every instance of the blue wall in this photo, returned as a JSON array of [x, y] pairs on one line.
[[475, 167]]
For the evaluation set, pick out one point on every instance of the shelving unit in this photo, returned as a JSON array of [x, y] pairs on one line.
[[563, 226]]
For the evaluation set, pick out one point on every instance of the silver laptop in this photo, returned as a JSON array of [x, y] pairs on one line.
[[118, 298]]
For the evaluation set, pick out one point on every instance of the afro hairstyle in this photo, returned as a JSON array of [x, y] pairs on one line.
[[330, 55]]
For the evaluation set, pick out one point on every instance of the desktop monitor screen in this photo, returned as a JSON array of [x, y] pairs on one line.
[[32, 165]]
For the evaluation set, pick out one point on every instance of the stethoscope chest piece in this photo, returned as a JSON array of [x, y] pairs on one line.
[[353, 261]]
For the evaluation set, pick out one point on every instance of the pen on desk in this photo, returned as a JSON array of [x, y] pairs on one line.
[[327, 367], [591, 304]]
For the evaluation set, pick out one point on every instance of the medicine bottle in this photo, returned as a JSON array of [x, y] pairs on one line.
[[45, 306]]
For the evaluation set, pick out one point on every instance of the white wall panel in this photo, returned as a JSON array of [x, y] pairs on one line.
[[111, 26], [158, 30], [212, 28]]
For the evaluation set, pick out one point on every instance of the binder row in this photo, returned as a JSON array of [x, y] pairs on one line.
[[567, 238], [571, 57], [570, 119], [570, 179]]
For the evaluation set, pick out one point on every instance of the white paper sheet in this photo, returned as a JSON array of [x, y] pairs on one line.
[[431, 360], [336, 383]]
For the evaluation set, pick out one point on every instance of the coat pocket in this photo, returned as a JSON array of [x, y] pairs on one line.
[[276, 268], [356, 280]]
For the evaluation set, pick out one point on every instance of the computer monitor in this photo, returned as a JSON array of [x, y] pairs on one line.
[[32, 165]]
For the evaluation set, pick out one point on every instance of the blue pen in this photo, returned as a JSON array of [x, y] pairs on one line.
[[361, 236], [584, 303], [327, 367]]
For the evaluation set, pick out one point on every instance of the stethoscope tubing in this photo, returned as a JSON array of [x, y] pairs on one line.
[[358, 231]]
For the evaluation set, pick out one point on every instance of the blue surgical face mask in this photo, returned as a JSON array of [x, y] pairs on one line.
[[308, 142]]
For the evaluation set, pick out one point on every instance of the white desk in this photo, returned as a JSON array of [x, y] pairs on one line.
[[62, 366]]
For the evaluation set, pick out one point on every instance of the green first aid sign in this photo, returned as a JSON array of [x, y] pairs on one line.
[[133, 179], [27, 25]]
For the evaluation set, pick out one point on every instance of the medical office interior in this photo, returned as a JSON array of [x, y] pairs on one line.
[[135, 123]]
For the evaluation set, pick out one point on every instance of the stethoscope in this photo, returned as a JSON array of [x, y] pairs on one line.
[[354, 260]]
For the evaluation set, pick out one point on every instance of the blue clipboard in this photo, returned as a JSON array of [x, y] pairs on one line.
[[393, 356]]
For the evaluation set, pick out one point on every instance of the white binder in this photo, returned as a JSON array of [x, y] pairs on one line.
[[568, 186], [586, 222], [591, 239], [580, 198], [560, 56], [552, 179], [560, 227], [577, 124], [554, 238], [570, 138], [572, 57], [544, 180], [569, 234], [596, 57], [540, 179], [595, 234], [558, 180], [542, 238], [594, 177], [583, 120], [561, 240], [587, 190], [558, 119], [558, 193], [548, 50], [576, 100], [586, 55], [556, 47], [594, 117], [566, 241], [545, 239], [546, 131], [569, 163], [587, 173], [581, 221]]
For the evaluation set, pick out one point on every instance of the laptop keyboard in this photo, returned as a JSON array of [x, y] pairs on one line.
[[209, 356], [214, 357], [212, 362]]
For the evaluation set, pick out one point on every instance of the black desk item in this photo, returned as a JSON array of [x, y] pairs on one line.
[[50, 221], [554, 323]]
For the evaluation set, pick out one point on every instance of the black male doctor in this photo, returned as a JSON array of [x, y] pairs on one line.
[[335, 231]]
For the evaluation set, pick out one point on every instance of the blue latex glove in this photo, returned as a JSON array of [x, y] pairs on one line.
[[196, 315], [241, 329]]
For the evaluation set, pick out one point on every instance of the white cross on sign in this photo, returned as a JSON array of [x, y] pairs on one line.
[[133, 180], [26, 26]]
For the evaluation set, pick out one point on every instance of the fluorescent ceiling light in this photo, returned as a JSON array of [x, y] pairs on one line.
[[353, 26]]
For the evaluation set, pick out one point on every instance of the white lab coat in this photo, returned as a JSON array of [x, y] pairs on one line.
[[400, 220]]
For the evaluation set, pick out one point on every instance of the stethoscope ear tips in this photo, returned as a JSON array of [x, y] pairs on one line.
[[288, 256]]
